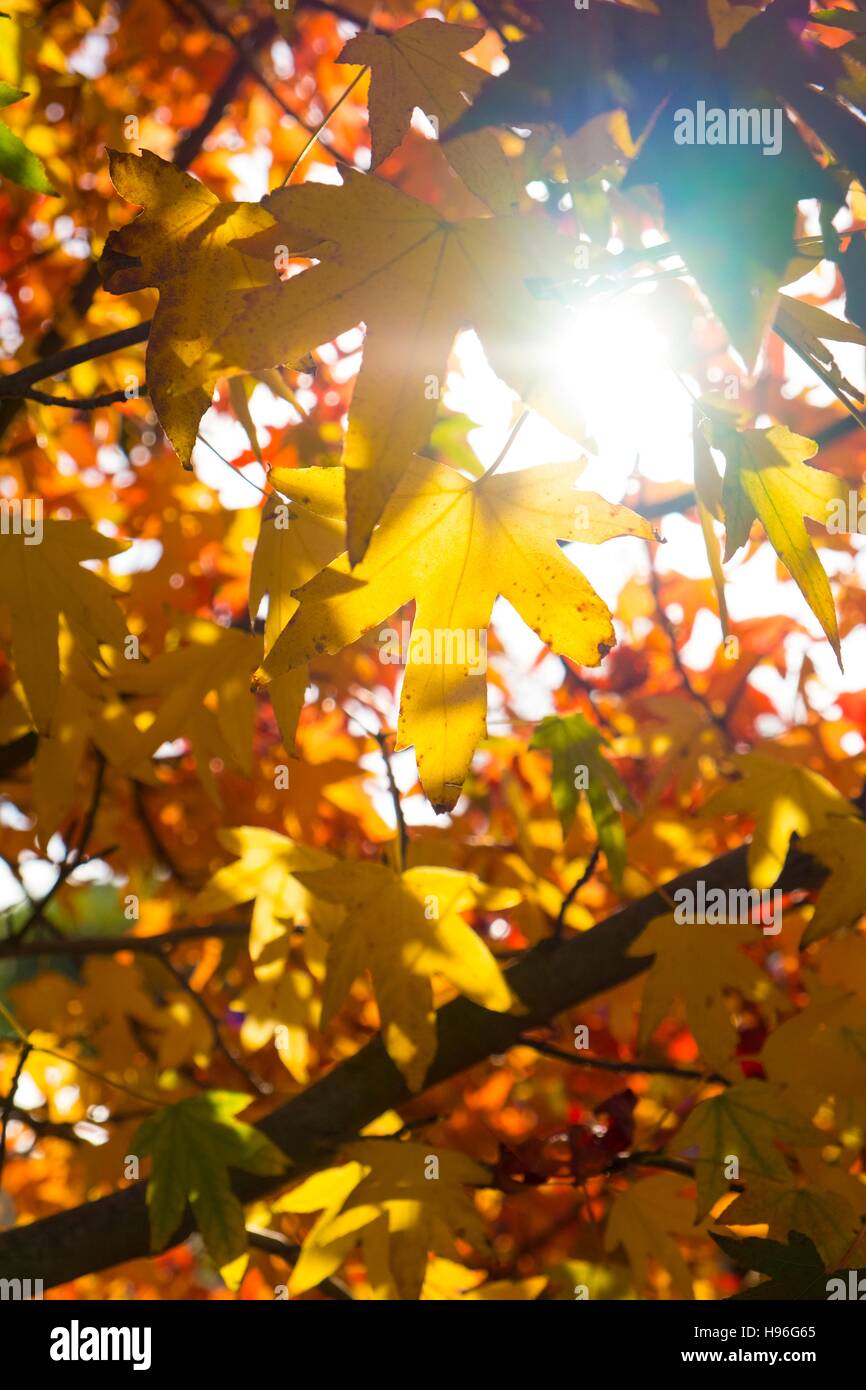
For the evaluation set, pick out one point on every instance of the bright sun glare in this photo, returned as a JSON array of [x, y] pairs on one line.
[[615, 360]]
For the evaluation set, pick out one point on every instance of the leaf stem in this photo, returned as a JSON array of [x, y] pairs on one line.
[[321, 126], [507, 445]]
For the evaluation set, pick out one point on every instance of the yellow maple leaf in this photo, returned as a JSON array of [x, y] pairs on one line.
[[415, 280], [185, 1033], [264, 871], [645, 1218], [698, 962], [404, 928], [446, 1281], [785, 799], [419, 65], [219, 661], [821, 1053], [88, 710], [281, 1008], [38, 583], [294, 542], [468, 542], [841, 847], [708, 492], [111, 996], [181, 244], [399, 1200], [767, 477]]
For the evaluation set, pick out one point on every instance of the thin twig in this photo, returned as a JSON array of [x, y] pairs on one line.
[[607, 1064], [340, 12], [381, 737], [71, 403], [63, 1129], [824, 375], [559, 925], [651, 1159], [402, 833], [26, 1049], [73, 858], [161, 852], [281, 1248], [264, 1088], [245, 51]]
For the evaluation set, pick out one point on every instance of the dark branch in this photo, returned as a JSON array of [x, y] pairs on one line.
[[310, 1128], [17, 383], [110, 945], [71, 403]]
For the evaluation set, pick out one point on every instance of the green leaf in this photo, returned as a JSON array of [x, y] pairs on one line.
[[17, 163], [576, 748], [193, 1144], [796, 1270], [746, 1122], [9, 94], [840, 19]]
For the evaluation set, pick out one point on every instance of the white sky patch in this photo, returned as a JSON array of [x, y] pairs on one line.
[[417, 810], [89, 57], [10, 892], [15, 819], [37, 875], [283, 59], [251, 171], [236, 486], [270, 412], [614, 360], [705, 636], [325, 173], [10, 332], [683, 550], [422, 123], [531, 685], [27, 1094], [142, 555]]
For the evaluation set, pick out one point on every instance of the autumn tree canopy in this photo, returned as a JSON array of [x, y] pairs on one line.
[[432, 708]]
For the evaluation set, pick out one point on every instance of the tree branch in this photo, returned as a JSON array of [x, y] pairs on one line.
[[110, 945], [312, 1126], [17, 383], [76, 403]]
